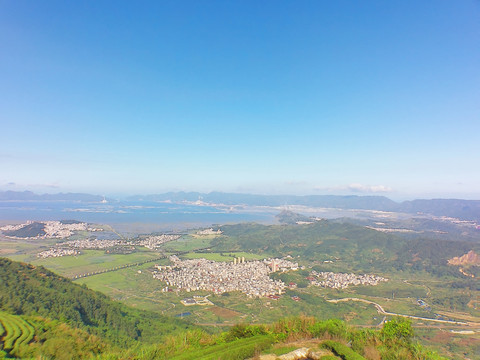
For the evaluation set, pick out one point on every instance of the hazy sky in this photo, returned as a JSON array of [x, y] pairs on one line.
[[300, 97]]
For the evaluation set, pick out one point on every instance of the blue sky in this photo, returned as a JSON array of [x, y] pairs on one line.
[[298, 97]]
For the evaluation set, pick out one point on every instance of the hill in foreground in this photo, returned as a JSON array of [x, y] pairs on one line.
[[35, 291]]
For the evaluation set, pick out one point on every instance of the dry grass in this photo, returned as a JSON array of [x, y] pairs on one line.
[[224, 313]]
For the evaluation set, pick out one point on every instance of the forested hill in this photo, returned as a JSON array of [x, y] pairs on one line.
[[462, 209], [29, 290], [317, 238], [361, 248]]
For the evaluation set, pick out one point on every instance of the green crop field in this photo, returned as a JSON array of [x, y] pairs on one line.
[[24, 250], [16, 332], [236, 350], [93, 260], [342, 350], [136, 287], [188, 243]]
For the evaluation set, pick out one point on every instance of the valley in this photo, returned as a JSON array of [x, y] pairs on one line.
[[323, 276]]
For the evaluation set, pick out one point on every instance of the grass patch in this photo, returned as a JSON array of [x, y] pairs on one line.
[[17, 332], [188, 243], [342, 350], [282, 350], [92, 260]]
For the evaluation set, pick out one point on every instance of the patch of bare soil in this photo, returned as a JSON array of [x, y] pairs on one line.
[[350, 316], [7, 251], [309, 343], [470, 258], [224, 313], [468, 341], [442, 337]]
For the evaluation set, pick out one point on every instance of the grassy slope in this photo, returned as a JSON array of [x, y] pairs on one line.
[[29, 290], [38, 337]]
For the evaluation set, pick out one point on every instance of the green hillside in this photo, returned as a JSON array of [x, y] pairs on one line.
[[365, 249], [35, 337], [29, 290], [333, 339], [303, 240]]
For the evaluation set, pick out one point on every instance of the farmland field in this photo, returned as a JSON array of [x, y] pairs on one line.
[[93, 260], [16, 332]]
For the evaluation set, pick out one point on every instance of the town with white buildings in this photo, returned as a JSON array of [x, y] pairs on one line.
[[48, 229], [57, 252], [94, 244], [342, 281], [250, 277]]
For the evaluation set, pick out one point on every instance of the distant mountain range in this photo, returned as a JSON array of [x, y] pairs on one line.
[[30, 196], [462, 209], [331, 201]]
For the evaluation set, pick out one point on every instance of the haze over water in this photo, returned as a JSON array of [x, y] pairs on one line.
[[131, 216]]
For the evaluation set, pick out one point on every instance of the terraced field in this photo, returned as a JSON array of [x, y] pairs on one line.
[[235, 350], [14, 332], [342, 350]]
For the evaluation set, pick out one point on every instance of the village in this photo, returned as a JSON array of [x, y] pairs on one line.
[[250, 277], [70, 248], [94, 243], [46, 229], [57, 252], [342, 281]]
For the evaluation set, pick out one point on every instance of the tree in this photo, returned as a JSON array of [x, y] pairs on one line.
[[399, 329]]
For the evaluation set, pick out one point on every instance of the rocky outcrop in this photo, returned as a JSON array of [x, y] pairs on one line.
[[470, 258], [299, 354]]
